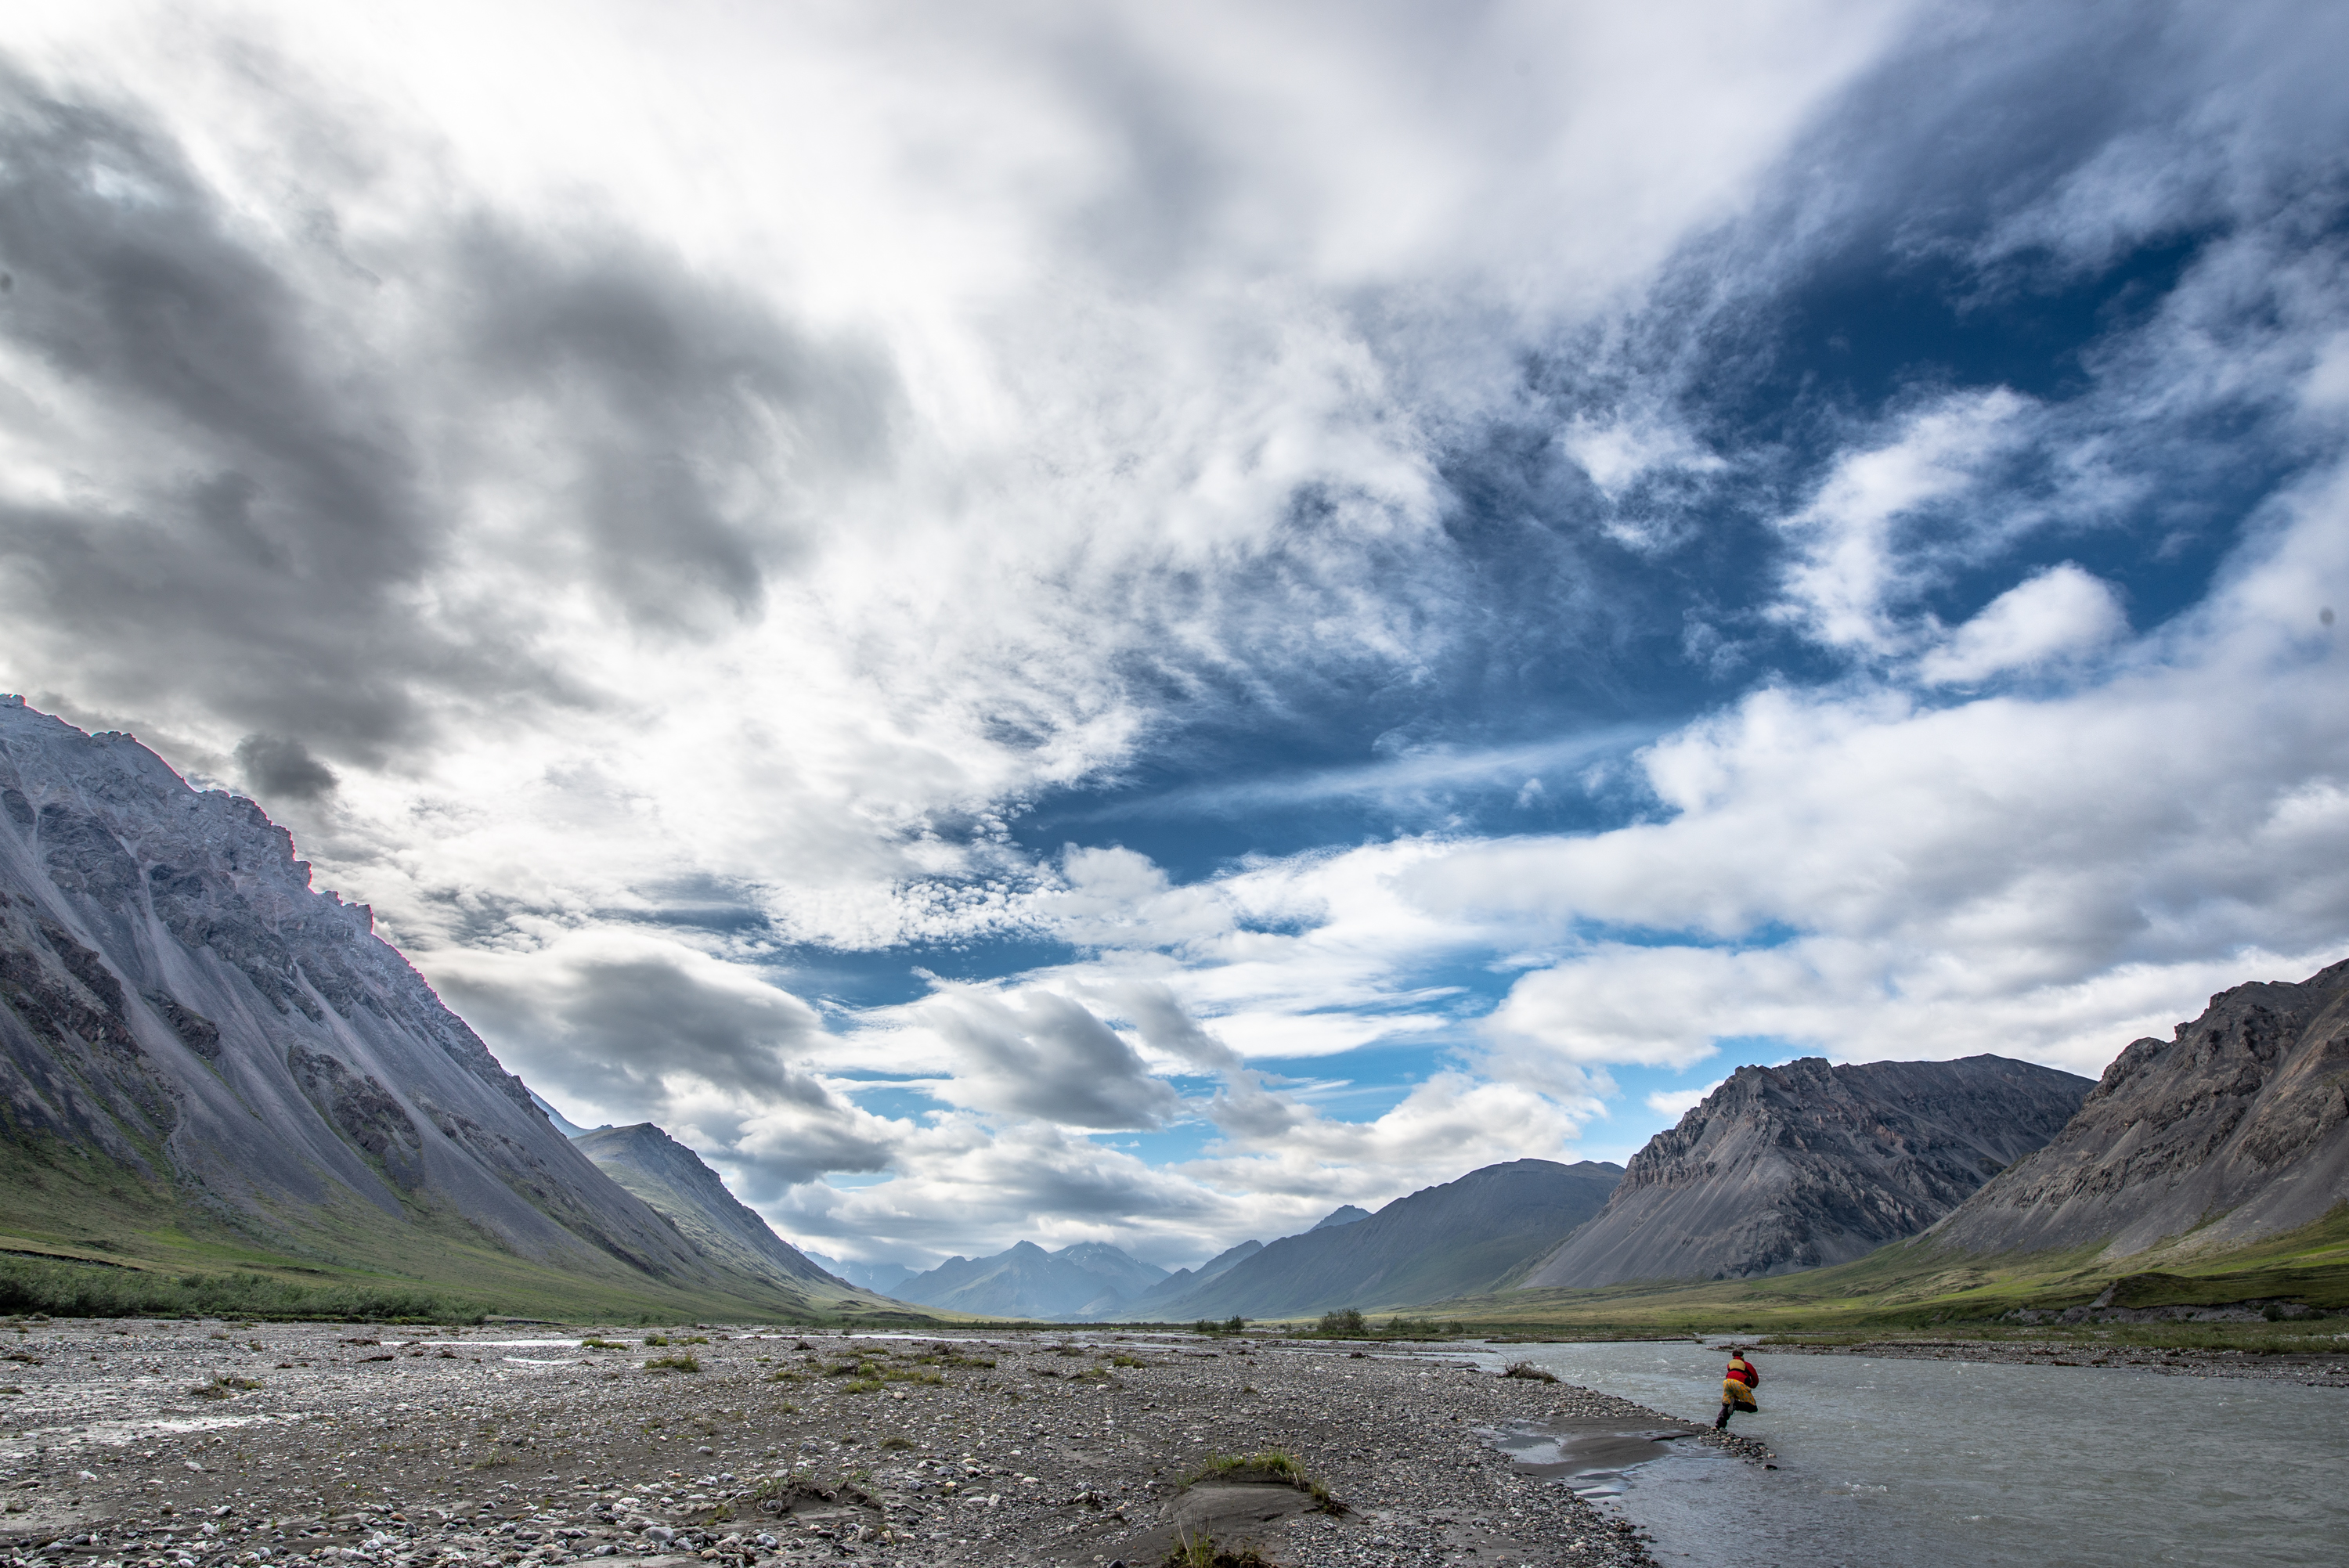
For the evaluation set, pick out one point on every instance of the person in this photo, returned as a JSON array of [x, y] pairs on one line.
[[1737, 1386]]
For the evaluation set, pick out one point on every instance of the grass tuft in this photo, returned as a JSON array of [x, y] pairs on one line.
[[673, 1364]]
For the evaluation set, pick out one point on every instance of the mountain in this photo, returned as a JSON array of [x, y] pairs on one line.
[[1440, 1242], [674, 1184], [1808, 1164], [1345, 1215], [2235, 1129], [1078, 1283], [1141, 1308], [880, 1278], [204, 1060]]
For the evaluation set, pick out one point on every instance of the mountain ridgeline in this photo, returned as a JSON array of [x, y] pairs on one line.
[[1452, 1239], [196, 1044], [2233, 1131], [1810, 1165]]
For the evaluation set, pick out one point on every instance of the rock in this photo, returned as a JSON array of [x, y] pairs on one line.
[[2243, 1114]]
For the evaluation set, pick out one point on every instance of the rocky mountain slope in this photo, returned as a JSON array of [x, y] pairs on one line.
[[2235, 1129], [191, 1034], [672, 1181], [1179, 1284], [1077, 1284], [1463, 1236], [1808, 1164]]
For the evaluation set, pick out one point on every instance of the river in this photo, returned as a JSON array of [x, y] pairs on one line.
[[1898, 1463]]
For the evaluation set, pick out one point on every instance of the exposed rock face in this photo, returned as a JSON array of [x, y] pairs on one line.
[[174, 994], [2238, 1124], [1080, 1283], [1800, 1166], [1453, 1240], [673, 1182]]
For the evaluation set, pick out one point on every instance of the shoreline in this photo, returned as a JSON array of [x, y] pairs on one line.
[[2315, 1371], [319, 1444]]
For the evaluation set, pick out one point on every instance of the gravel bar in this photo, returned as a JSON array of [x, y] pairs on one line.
[[200, 1445]]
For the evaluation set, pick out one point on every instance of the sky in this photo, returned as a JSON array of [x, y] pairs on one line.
[[1130, 622]]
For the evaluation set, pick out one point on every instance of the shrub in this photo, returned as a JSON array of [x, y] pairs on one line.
[[1346, 1323], [673, 1364], [1201, 1552]]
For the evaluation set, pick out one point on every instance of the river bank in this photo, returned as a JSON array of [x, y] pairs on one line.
[[175, 1444], [2317, 1371]]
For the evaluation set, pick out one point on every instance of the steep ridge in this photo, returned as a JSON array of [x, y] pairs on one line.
[[188, 1029], [1141, 1308], [1808, 1164], [672, 1181], [1078, 1282], [1463, 1236], [2235, 1129]]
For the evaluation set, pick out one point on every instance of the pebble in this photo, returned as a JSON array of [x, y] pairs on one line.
[[467, 1449]]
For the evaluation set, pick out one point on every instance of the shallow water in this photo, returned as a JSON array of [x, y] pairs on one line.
[[1894, 1463]]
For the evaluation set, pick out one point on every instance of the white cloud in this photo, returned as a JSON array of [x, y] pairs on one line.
[[1851, 573], [1675, 1103], [2061, 613]]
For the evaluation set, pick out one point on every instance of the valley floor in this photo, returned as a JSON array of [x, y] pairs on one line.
[[173, 1445]]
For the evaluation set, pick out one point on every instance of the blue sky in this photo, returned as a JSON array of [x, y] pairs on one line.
[[1099, 624]]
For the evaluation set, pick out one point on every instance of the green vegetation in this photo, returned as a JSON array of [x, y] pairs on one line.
[[673, 1364], [86, 1237], [225, 1387], [1346, 1323], [1201, 1552], [1916, 1284]]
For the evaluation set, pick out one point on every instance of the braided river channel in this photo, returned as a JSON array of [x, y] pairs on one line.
[[1894, 1462]]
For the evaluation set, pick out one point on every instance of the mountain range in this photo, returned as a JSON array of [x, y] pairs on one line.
[[1078, 1283], [1808, 1164], [203, 1056], [1450, 1240]]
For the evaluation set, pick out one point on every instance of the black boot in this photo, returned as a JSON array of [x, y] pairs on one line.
[[1720, 1422]]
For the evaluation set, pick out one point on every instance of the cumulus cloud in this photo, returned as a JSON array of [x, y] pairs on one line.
[[2061, 613]]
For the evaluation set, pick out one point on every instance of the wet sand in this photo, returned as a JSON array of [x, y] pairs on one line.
[[317, 1444]]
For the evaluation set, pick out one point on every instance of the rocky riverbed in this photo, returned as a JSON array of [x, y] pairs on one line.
[[172, 1445]]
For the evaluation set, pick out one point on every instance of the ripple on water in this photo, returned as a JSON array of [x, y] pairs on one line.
[[1920, 1464]]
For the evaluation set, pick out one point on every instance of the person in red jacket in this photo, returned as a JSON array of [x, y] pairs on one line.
[[1737, 1386]]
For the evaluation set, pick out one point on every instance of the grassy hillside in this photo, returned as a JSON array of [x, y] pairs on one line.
[[1916, 1284], [84, 1237]]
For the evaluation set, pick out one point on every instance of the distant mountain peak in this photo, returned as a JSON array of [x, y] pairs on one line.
[[1345, 1215]]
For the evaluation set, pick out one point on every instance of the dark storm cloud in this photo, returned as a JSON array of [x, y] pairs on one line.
[[700, 423], [275, 767], [1051, 1059], [270, 476]]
